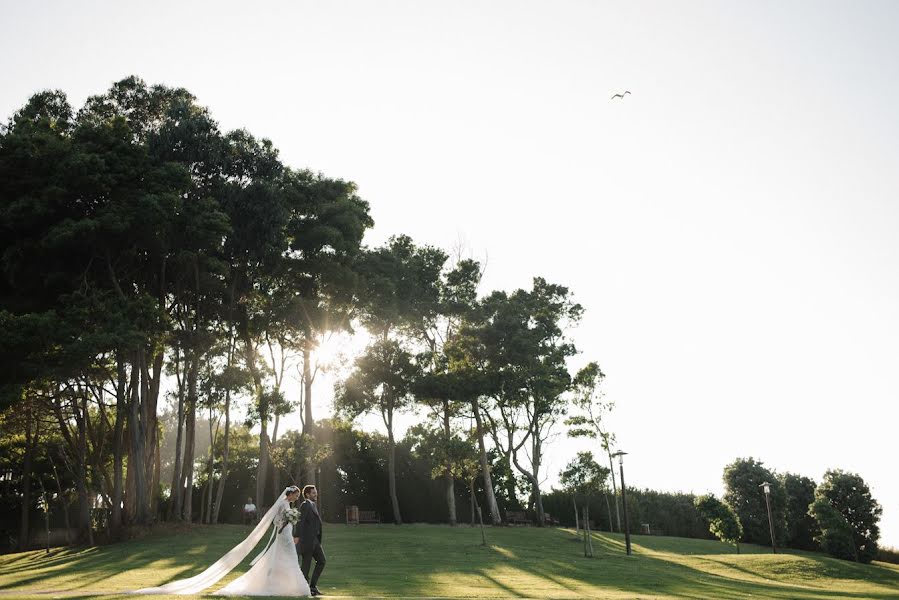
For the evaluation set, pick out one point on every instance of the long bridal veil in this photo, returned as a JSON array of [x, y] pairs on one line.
[[222, 566]]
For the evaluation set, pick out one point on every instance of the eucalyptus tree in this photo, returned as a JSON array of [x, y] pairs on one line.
[[97, 225], [590, 400], [470, 380], [399, 290], [253, 200], [325, 228], [434, 325], [410, 293], [148, 142], [584, 477], [525, 344], [381, 383], [229, 382], [458, 454]]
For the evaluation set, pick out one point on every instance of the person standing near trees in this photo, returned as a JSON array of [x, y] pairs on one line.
[[249, 512], [307, 535]]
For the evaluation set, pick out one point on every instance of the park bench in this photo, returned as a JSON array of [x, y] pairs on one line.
[[369, 516], [647, 529], [517, 517], [548, 519], [354, 516]]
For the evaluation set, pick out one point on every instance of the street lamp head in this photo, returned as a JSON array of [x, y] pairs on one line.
[[766, 486], [620, 456]]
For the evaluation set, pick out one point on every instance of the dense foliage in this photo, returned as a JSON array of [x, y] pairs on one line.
[[847, 516], [161, 278], [723, 521]]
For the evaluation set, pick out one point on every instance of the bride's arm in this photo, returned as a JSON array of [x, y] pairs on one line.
[[279, 514]]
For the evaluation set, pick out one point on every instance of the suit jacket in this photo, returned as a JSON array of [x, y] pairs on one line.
[[309, 527]]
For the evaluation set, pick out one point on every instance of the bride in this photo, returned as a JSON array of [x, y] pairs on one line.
[[275, 572]]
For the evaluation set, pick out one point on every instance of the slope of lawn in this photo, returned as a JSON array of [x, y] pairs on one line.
[[427, 561]]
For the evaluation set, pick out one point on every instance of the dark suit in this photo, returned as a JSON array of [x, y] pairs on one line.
[[309, 530]]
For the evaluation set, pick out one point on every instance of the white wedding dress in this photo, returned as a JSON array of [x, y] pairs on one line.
[[275, 572]]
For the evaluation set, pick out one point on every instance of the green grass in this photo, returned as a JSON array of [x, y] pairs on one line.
[[438, 561]]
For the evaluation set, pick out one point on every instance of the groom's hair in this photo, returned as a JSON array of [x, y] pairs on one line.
[[307, 489]]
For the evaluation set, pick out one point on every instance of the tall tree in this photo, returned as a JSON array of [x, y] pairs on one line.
[[801, 526], [723, 521], [524, 337], [255, 204], [381, 383], [590, 400], [435, 325], [844, 505], [469, 380], [742, 484], [583, 477], [325, 228]]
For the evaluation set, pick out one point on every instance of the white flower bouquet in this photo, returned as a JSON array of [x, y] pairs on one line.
[[290, 517]]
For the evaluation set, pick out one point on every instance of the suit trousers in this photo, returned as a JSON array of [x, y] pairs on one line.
[[307, 554]]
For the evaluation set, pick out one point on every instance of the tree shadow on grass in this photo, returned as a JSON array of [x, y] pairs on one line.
[[554, 568], [119, 566], [434, 561]]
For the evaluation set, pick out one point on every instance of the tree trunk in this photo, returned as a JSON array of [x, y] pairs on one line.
[[538, 499], [262, 465], [216, 507], [614, 492], [85, 531], [535, 490], [584, 530], [151, 430], [118, 443], [136, 453], [276, 472], [208, 492], [481, 521], [608, 508], [202, 518], [65, 505], [485, 466], [262, 468], [190, 432], [577, 522], [587, 527], [308, 423], [26, 477], [391, 470], [471, 494], [448, 481], [177, 495], [510, 488]]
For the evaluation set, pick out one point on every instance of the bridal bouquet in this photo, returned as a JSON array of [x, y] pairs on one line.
[[291, 516]]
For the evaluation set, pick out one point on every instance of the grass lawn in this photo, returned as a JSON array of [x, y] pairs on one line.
[[427, 561]]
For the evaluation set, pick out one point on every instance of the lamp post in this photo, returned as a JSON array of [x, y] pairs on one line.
[[767, 488], [627, 530]]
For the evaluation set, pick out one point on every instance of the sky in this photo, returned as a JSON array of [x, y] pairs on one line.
[[730, 226]]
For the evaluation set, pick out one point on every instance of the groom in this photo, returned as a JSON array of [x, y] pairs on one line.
[[307, 535]]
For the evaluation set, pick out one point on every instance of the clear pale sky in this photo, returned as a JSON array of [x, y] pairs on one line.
[[730, 226]]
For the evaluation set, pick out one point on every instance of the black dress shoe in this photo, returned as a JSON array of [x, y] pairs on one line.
[[315, 591]]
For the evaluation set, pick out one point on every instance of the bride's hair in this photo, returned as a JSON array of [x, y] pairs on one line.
[[291, 489]]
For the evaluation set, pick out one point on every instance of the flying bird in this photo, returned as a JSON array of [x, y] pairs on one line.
[[626, 92]]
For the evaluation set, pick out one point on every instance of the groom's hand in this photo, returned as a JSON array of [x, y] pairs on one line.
[[296, 540]]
